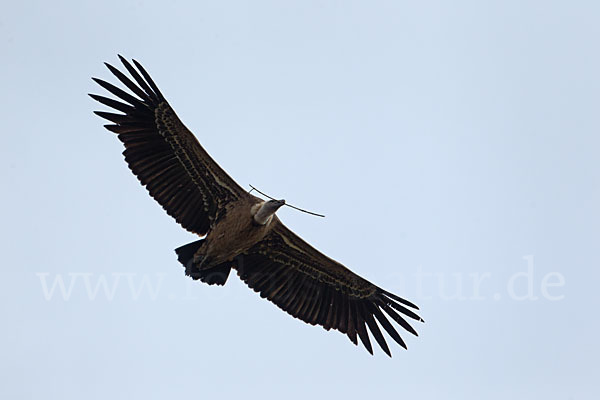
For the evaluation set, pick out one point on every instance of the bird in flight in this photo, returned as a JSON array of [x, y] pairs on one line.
[[238, 230]]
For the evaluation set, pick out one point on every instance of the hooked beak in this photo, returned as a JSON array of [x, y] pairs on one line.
[[280, 203]]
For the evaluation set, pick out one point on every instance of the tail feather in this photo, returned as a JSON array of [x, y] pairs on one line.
[[216, 275], [186, 252]]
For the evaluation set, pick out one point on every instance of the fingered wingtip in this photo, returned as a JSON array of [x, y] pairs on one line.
[[137, 64]]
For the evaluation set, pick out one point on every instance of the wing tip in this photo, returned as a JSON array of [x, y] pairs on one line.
[[400, 299]]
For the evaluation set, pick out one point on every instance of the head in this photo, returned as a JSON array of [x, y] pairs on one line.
[[266, 211], [274, 204]]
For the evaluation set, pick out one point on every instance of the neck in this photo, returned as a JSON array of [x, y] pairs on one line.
[[264, 214]]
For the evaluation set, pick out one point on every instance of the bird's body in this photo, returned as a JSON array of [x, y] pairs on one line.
[[237, 230], [234, 234]]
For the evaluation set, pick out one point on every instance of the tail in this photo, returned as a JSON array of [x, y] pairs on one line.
[[216, 275]]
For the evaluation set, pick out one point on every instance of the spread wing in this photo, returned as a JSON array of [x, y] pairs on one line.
[[163, 154], [318, 290]]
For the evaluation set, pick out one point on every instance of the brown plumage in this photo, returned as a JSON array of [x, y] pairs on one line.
[[242, 231]]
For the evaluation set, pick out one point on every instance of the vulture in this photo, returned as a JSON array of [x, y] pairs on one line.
[[238, 230]]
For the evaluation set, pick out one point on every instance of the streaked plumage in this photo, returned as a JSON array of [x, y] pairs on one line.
[[191, 187]]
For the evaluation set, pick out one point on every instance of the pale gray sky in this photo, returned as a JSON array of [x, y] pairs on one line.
[[471, 126]]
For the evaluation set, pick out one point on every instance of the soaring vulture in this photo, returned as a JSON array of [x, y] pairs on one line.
[[237, 229]]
